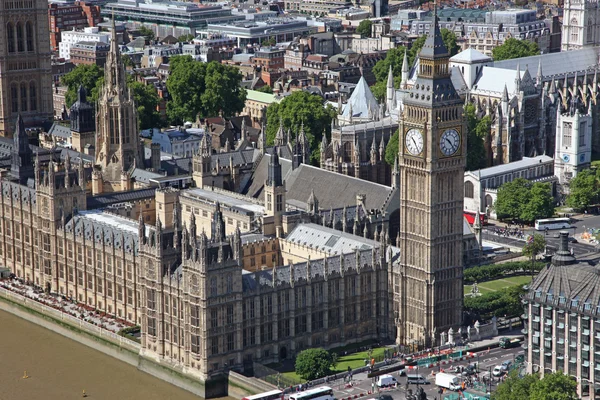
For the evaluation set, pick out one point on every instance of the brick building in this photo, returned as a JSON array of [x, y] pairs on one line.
[[68, 16]]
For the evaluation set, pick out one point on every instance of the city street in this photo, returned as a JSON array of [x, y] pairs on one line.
[[582, 222], [487, 361]]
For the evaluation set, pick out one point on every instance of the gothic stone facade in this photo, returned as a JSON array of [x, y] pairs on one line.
[[25, 80]]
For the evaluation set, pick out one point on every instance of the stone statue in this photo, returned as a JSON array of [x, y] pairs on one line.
[[443, 338], [451, 336]]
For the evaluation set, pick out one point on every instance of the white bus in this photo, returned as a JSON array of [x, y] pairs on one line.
[[320, 393], [272, 395], [552, 223]]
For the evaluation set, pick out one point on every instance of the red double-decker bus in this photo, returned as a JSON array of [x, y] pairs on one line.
[[470, 216]]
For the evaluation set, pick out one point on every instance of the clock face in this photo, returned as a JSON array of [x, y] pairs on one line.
[[414, 141], [449, 142]]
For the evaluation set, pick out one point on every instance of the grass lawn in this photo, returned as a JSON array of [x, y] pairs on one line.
[[353, 361], [499, 284]]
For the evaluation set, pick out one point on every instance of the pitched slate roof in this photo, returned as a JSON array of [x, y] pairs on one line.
[[107, 199]]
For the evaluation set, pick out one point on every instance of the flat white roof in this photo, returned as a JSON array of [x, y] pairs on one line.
[[226, 200]]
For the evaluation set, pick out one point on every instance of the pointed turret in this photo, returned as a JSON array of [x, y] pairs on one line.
[[518, 79], [21, 154], [405, 71], [280, 135], [142, 228], [540, 76], [382, 148], [395, 174], [390, 86]]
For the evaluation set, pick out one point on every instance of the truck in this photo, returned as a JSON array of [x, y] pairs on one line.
[[506, 343], [447, 381]]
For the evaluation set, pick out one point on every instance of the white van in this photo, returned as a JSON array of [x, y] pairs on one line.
[[386, 380], [416, 379], [447, 381]]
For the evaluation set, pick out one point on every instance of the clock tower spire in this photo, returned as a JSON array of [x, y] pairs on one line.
[[431, 162]]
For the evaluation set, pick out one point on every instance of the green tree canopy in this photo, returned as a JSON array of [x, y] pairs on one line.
[[535, 245], [584, 190], [503, 302], [391, 150], [519, 200], [477, 131], [301, 108], [127, 61], [553, 386], [186, 38], [364, 28], [556, 386], [90, 76], [393, 58], [147, 33], [265, 89], [314, 363], [146, 101], [269, 42], [203, 90], [515, 48], [515, 387]]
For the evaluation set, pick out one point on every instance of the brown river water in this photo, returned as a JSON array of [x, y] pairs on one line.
[[60, 369]]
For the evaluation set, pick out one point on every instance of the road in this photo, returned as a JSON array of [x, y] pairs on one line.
[[582, 222], [487, 360]]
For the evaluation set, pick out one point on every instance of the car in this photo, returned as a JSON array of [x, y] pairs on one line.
[[506, 365], [498, 371], [572, 240]]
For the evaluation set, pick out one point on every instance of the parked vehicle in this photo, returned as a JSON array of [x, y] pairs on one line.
[[498, 371], [447, 381], [386, 381], [506, 342]]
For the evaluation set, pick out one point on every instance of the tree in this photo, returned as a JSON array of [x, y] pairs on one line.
[[555, 386], [147, 33], [314, 363], [584, 190], [203, 90], [301, 109], [515, 48], [391, 150], [146, 101], [536, 243], [269, 42], [364, 28], [515, 387], [393, 58], [477, 131], [186, 38], [524, 201], [540, 204], [127, 61], [265, 89], [90, 76]]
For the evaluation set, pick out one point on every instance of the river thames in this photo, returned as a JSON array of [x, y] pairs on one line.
[[59, 368]]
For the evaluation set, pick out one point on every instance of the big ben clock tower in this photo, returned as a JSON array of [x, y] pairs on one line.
[[428, 284]]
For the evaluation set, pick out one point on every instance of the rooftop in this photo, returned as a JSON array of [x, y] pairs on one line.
[[329, 240], [470, 55], [226, 200], [526, 162]]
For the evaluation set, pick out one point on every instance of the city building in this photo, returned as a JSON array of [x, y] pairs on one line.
[[70, 15], [89, 53], [581, 24], [26, 79], [481, 186], [177, 142], [254, 33], [69, 38], [256, 106], [118, 146], [165, 17], [562, 324], [428, 294], [269, 58], [315, 7]]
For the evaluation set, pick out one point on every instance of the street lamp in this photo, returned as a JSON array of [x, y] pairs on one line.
[[490, 378]]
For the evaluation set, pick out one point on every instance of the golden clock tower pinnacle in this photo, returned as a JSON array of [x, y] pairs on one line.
[[428, 284]]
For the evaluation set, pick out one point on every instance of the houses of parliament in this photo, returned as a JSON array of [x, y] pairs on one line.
[[217, 279]]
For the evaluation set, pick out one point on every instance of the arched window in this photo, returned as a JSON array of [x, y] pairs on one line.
[[469, 189], [20, 38], [23, 97], [32, 97], [14, 98], [10, 37], [29, 32], [574, 31], [590, 31]]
